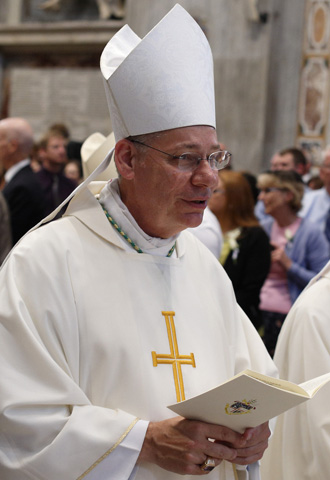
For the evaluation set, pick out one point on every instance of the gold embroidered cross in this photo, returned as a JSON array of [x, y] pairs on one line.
[[174, 357]]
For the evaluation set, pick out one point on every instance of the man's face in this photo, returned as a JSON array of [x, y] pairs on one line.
[[3, 147], [162, 199], [55, 152], [325, 172], [282, 162]]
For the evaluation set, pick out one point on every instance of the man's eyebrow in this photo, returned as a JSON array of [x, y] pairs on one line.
[[196, 146]]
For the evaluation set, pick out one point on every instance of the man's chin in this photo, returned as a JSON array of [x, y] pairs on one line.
[[194, 220]]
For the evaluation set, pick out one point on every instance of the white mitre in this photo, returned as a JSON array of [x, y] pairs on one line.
[[162, 81], [94, 149]]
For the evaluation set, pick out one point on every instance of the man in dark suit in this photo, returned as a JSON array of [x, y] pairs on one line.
[[53, 153], [22, 190], [5, 230]]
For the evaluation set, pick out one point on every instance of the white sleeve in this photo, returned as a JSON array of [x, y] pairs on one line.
[[254, 471], [45, 413], [249, 472], [125, 454]]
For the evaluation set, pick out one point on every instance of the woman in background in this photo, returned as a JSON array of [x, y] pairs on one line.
[[245, 253], [299, 249]]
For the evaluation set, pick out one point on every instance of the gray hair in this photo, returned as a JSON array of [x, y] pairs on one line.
[[20, 131]]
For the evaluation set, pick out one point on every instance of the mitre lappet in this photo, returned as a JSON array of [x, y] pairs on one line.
[[94, 149]]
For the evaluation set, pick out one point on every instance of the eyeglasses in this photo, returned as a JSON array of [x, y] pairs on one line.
[[189, 161]]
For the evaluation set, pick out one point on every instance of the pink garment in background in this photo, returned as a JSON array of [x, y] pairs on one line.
[[274, 295]]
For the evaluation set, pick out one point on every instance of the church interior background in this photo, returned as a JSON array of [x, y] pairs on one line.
[[271, 66]]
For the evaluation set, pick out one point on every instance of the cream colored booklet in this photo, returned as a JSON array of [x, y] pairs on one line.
[[247, 400]]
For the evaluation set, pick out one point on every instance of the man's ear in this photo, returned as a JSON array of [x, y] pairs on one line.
[[125, 154], [300, 169], [12, 145]]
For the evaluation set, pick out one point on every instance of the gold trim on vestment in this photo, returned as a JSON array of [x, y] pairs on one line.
[[235, 471], [109, 451]]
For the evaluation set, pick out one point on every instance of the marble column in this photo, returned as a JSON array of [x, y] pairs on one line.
[[14, 11]]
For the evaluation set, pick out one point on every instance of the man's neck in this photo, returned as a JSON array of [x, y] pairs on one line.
[[110, 198], [52, 167], [11, 172], [9, 162]]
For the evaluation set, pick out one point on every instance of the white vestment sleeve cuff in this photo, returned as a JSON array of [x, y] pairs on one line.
[[250, 472], [120, 463], [254, 471]]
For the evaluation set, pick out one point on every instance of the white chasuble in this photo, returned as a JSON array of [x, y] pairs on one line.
[[300, 446], [104, 337]]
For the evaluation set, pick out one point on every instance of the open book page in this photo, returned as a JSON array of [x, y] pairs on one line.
[[313, 386], [246, 400], [277, 382]]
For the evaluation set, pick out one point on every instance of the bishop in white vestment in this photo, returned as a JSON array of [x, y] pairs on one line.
[[109, 314], [82, 358], [300, 447]]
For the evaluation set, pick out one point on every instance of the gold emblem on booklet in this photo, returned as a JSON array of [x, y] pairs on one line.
[[240, 408]]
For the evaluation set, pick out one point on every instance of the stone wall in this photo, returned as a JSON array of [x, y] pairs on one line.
[[313, 109], [283, 77], [240, 44], [49, 69], [258, 48]]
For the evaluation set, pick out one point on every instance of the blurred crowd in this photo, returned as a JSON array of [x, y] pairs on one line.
[[270, 231], [275, 230], [35, 176]]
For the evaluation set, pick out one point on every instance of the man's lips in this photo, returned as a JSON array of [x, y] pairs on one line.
[[201, 203]]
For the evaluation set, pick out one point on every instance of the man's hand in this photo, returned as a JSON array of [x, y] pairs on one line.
[[181, 445], [256, 444]]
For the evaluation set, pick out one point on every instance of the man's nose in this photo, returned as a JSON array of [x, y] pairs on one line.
[[205, 175], [63, 150]]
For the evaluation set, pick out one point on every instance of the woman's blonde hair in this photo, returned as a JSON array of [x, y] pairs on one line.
[[284, 180]]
